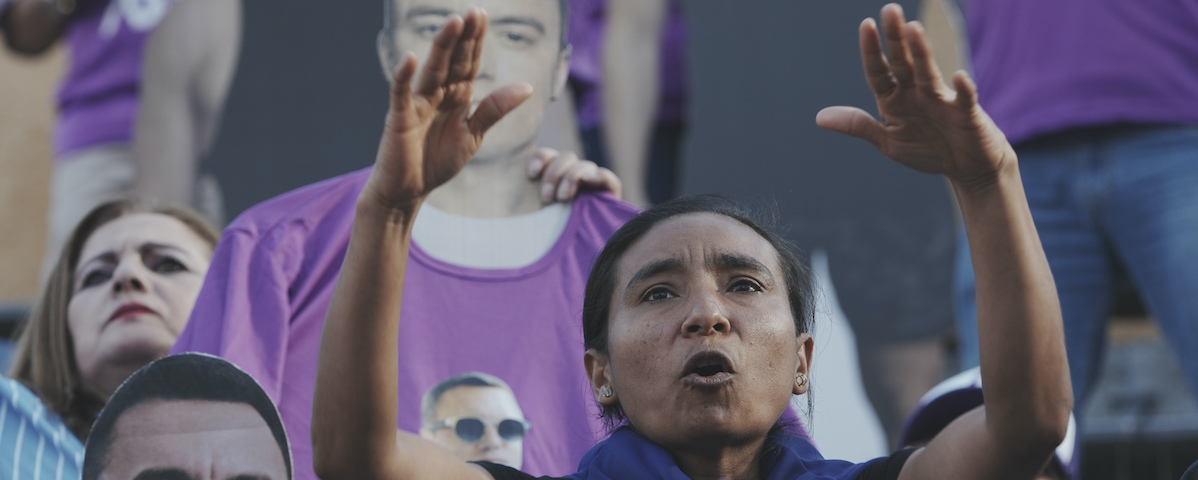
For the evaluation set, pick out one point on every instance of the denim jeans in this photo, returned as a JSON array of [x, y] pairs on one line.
[[1102, 198]]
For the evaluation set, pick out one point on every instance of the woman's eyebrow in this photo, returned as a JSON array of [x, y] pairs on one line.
[[108, 257], [733, 261], [653, 269], [154, 247]]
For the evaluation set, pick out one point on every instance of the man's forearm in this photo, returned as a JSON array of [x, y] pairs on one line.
[[30, 26]]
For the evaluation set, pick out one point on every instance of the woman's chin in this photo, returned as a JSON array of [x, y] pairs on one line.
[[138, 348]]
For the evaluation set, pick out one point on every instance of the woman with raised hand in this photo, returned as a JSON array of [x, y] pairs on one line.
[[696, 318]]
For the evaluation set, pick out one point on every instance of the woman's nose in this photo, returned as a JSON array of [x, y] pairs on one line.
[[128, 277], [706, 317]]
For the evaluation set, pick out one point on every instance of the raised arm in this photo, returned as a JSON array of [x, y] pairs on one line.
[[429, 136], [935, 128]]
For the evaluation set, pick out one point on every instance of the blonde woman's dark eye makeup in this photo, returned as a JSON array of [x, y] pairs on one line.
[[95, 277], [167, 264]]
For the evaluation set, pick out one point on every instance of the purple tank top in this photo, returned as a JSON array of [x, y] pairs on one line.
[[1047, 66], [586, 34], [97, 102]]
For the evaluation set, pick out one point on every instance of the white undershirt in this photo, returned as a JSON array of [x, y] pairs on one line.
[[507, 242]]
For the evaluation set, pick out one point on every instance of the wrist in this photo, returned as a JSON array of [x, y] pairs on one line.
[[1007, 172], [378, 208]]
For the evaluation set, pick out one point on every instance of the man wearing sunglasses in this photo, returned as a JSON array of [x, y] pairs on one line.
[[477, 417]]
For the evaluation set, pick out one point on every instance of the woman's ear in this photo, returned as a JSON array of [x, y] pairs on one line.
[[805, 345], [388, 55], [599, 371]]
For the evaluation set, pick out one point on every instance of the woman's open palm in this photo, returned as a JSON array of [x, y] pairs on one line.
[[926, 124]]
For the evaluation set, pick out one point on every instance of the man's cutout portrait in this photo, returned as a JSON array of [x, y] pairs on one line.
[[475, 416], [188, 417]]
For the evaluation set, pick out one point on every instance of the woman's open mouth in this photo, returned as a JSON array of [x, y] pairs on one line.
[[708, 368]]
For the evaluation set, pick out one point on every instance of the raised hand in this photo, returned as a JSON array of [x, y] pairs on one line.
[[430, 131], [926, 124]]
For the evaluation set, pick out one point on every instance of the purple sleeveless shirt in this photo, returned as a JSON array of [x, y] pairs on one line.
[[1046, 66], [586, 34], [264, 300], [97, 102]]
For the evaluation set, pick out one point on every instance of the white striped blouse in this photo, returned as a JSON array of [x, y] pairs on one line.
[[34, 443]]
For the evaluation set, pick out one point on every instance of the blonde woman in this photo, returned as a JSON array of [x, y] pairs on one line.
[[120, 293]]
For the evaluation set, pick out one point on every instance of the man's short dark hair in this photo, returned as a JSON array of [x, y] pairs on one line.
[[428, 404], [190, 376], [563, 8]]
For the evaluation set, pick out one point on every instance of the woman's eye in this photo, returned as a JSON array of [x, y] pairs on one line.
[[95, 277], [656, 294], [746, 286], [168, 265]]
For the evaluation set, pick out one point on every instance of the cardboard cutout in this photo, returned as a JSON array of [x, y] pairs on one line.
[[192, 416]]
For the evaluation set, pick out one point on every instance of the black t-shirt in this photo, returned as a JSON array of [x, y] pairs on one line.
[[885, 468]]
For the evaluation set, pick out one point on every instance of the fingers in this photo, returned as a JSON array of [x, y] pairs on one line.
[[556, 180], [496, 105], [562, 174], [853, 122], [436, 66], [927, 74], [897, 52], [877, 71], [604, 179], [463, 64], [967, 91], [401, 83], [540, 158]]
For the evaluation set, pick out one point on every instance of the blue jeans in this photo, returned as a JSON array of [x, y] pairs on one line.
[[1102, 198]]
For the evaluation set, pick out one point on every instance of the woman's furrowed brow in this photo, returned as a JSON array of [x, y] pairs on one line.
[[732, 261], [653, 269]]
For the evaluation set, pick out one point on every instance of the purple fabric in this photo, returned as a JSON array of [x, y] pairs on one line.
[[264, 300], [586, 35], [627, 455], [97, 101], [1047, 66]]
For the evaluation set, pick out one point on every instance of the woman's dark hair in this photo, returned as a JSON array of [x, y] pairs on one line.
[[601, 284]]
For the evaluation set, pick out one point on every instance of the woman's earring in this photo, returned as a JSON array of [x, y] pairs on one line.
[[605, 391], [802, 380]]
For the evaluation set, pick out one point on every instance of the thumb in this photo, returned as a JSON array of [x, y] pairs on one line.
[[496, 105], [854, 122]]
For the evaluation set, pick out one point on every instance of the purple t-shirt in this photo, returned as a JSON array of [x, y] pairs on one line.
[[586, 34], [97, 102], [271, 279], [1046, 66]]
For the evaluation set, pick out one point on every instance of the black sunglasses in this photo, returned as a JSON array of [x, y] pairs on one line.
[[471, 429]]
